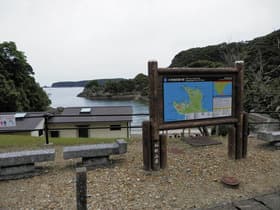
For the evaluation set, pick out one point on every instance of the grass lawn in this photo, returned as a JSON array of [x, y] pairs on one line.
[[17, 141]]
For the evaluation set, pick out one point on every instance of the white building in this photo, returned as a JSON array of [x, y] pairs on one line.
[[92, 122]]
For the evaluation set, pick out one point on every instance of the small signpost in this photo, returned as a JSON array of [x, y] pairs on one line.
[[7, 121], [193, 97]]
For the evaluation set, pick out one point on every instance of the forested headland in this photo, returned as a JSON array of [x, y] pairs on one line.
[[121, 89], [18, 88]]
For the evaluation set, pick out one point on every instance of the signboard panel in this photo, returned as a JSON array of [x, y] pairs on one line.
[[196, 97], [7, 121]]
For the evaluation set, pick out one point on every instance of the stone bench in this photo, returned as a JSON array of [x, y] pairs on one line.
[[15, 165], [272, 137], [95, 154]]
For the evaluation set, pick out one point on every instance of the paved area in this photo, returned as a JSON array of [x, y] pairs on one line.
[[264, 202]]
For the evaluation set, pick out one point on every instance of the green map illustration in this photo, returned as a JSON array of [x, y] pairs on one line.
[[220, 87], [196, 100], [194, 104]]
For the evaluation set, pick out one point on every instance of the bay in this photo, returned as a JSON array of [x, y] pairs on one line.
[[67, 97]]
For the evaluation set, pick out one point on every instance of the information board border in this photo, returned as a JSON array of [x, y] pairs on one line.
[[237, 146], [181, 72], [204, 76]]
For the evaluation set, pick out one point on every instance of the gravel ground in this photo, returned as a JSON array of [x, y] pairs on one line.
[[191, 180]]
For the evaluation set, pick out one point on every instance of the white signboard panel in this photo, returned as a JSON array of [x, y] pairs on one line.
[[7, 121]]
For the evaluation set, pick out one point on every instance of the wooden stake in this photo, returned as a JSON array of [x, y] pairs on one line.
[[81, 188], [147, 148], [231, 142], [239, 109], [245, 134], [155, 155], [163, 151]]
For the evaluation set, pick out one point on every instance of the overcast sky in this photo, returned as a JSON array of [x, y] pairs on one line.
[[92, 39]]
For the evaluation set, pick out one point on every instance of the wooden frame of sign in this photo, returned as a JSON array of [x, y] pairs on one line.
[[161, 79]]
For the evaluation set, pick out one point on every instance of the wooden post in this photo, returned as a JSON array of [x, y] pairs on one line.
[[231, 142], [239, 109], [81, 188], [147, 148], [163, 151], [46, 128], [154, 114], [245, 134], [155, 154]]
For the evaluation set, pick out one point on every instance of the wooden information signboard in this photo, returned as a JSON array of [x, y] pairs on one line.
[[193, 97]]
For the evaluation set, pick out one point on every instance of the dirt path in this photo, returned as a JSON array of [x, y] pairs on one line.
[[191, 180]]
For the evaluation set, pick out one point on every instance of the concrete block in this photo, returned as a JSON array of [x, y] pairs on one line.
[[26, 157], [122, 146], [269, 136], [272, 201], [97, 161], [21, 169], [260, 118], [96, 150], [249, 205], [223, 207], [277, 145]]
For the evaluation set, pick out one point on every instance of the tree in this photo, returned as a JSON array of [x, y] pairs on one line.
[[18, 89]]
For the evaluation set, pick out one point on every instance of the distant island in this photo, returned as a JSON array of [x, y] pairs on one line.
[[117, 89], [82, 83], [70, 84]]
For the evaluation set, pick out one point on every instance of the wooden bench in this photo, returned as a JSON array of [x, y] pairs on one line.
[[15, 165], [95, 154]]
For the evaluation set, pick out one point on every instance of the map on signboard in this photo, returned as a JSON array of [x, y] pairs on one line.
[[190, 100]]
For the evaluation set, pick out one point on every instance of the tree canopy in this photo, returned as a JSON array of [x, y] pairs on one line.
[[18, 88], [117, 87]]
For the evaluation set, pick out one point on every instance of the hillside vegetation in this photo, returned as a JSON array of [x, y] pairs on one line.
[[18, 88], [262, 67]]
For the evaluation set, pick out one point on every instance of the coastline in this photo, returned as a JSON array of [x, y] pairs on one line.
[[116, 97]]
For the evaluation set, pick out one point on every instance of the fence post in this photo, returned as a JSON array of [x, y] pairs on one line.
[[245, 134], [163, 151], [239, 65], [81, 188], [147, 146], [232, 142], [46, 129]]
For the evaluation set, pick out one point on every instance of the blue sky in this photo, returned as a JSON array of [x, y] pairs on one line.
[[88, 39]]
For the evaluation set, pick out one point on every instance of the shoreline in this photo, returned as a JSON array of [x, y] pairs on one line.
[[116, 97]]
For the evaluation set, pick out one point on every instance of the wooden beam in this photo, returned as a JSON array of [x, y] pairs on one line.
[[239, 108], [245, 134], [184, 70], [193, 124]]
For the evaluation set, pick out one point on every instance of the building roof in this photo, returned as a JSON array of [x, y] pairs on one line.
[[101, 114], [25, 122]]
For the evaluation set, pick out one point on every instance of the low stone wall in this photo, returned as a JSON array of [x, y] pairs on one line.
[[259, 118], [15, 165], [96, 154]]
